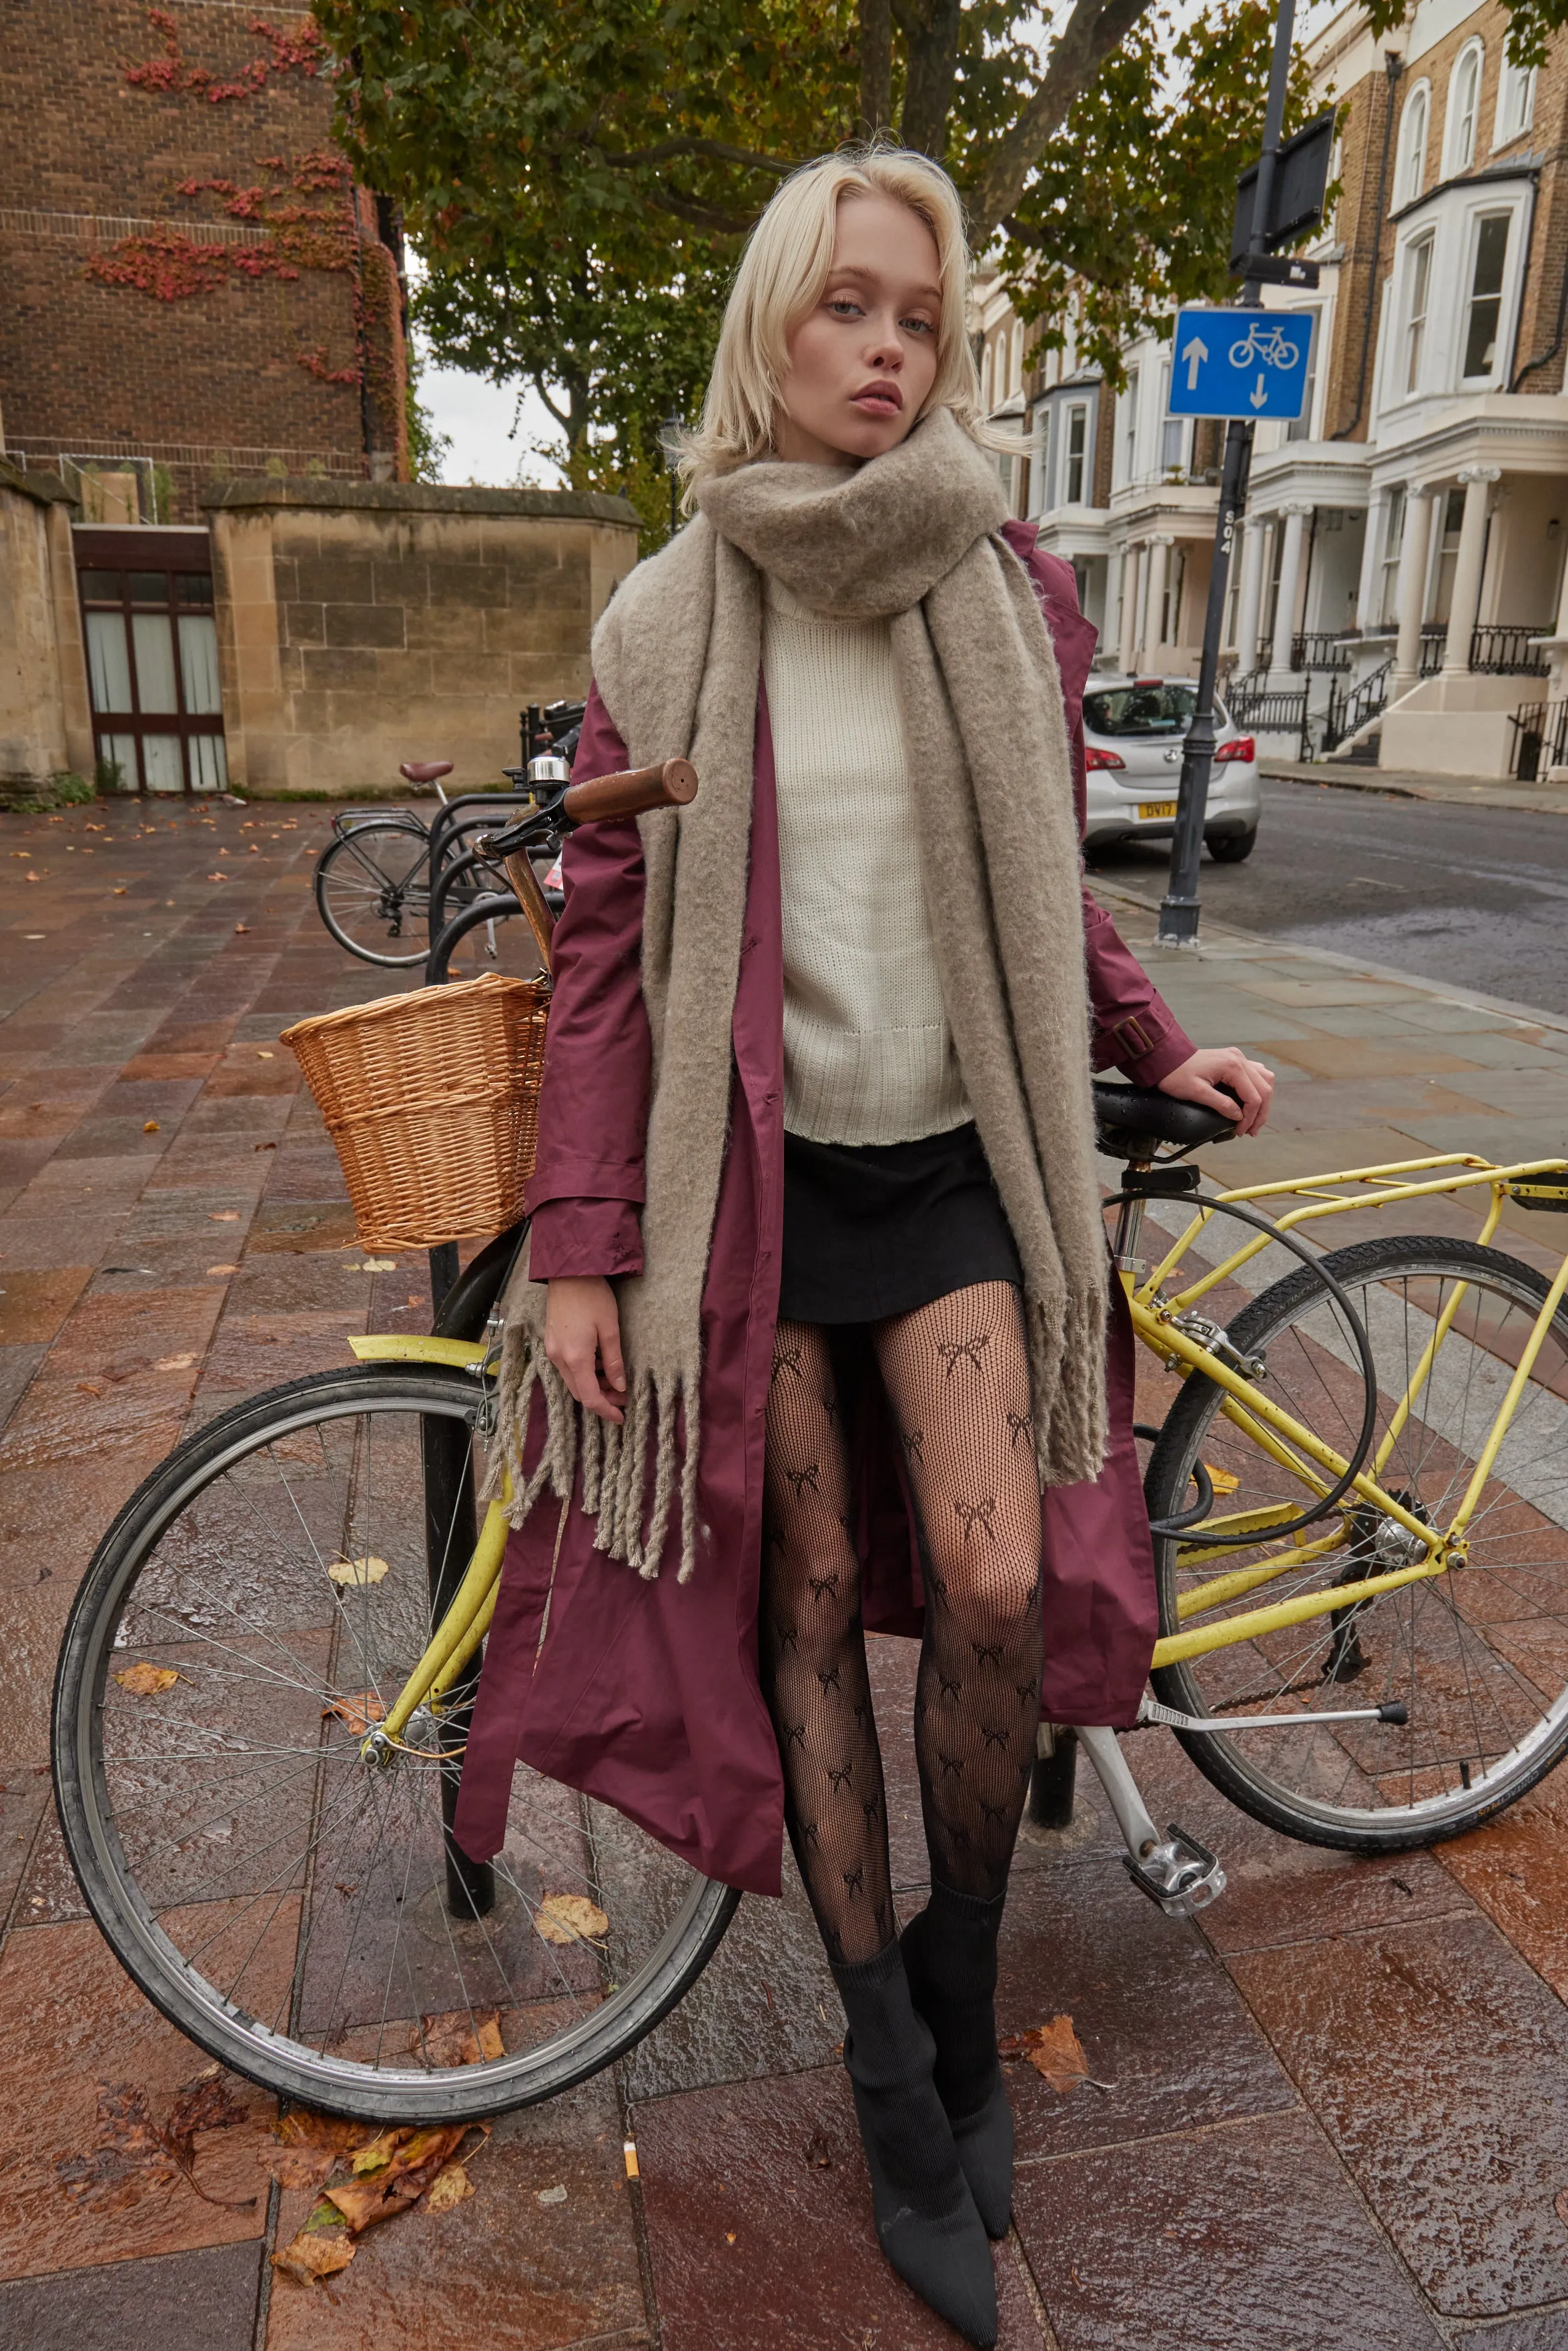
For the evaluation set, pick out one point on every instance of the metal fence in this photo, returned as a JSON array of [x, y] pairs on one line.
[[1540, 740], [1508, 652], [1261, 712], [1350, 707], [1318, 650]]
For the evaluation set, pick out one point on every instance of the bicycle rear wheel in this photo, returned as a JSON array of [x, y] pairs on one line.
[[372, 890], [1479, 1656], [254, 1606]]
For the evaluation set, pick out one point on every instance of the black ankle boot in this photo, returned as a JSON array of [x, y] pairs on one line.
[[950, 1955], [926, 2216]]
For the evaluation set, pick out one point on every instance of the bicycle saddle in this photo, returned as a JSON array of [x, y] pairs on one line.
[[1132, 1122], [425, 771]]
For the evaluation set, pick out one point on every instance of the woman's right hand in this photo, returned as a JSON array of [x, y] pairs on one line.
[[582, 1339]]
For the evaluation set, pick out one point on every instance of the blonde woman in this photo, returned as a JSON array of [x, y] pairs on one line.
[[814, 1327]]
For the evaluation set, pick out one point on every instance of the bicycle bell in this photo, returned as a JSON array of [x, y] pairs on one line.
[[548, 769]]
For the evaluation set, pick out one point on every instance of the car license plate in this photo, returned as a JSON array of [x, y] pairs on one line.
[[1156, 807]]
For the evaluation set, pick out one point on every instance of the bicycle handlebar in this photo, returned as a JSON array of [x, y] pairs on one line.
[[671, 783]]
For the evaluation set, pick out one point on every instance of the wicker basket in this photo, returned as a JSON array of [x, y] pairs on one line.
[[432, 1101]]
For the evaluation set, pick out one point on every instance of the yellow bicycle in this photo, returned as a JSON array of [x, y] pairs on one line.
[[1360, 1490]]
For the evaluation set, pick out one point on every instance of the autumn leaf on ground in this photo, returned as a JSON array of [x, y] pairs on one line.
[[365, 2202], [449, 2188], [1053, 2050], [134, 2150], [309, 2146], [459, 2039], [1224, 1481], [570, 1919], [359, 1709], [322, 2248], [144, 1680], [369, 1570], [377, 2154]]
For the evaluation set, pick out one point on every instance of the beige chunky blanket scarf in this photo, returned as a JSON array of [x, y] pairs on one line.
[[913, 537]]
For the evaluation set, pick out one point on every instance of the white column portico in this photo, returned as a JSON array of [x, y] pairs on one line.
[[1465, 601], [1132, 583], [1295, 515], [1249, 597], [1153, 635], [1420, 500], [1367, 614]]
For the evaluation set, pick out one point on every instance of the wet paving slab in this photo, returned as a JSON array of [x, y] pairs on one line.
[[1325, 2117]]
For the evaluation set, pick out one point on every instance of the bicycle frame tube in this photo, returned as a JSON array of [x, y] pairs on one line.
[[1286, 1442]]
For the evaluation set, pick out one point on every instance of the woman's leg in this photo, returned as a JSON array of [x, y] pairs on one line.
[[812, 1650], [956, 1374]]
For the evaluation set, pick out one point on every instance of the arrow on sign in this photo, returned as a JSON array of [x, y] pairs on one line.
[[1194, 355], [1258, 395]]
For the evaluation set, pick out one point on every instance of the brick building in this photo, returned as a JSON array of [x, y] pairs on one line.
[[201, 362], [195, 291]]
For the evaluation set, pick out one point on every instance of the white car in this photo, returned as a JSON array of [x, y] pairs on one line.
[[1134, 729]]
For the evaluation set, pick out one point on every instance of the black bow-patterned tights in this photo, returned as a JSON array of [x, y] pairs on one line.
[[956, 1377]]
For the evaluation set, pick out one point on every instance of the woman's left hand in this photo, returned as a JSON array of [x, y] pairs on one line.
[[1198, 1079]]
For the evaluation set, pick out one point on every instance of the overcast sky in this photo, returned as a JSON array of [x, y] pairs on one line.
[[491, 440]]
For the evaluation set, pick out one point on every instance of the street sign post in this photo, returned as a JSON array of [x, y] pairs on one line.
[[1247, 364], [1180, 907]]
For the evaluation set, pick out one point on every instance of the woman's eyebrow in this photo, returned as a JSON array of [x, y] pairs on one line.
[[874, 278]]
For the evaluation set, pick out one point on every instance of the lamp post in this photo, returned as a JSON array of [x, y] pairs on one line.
[[669, 440]]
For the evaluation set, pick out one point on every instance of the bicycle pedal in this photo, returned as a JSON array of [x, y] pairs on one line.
[[1180, 1875]]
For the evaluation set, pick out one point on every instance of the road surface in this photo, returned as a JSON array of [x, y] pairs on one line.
[[1478, 896]]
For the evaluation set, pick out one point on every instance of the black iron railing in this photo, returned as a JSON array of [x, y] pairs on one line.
[[1540, 740], [1350, 707], [1258, 711], [1508, 652], [1434, 647], [1316, 649]]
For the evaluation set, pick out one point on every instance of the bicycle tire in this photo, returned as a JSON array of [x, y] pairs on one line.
[[347, 864], [1379, 1269], [140, 1919]]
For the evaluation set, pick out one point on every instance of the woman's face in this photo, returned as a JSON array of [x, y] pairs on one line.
[[862, 362]]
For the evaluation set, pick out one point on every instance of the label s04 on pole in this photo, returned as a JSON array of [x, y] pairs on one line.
[[1246, 364]]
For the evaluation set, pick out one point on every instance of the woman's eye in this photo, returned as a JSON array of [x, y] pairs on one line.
[[918, 325], [844, 305]]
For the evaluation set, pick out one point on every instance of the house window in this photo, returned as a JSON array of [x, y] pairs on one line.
[[1393, 547], [1464, 103], [1411, 175], [1418, 291], [1130, 428], [1515, 102], [152, 672], [1170, 608], [1485, 296], [1077, 453], [1301, 427]]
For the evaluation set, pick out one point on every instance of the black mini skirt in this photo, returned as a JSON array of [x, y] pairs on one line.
[[876, 1229]]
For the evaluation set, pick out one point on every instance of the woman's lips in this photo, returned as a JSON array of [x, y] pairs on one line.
[[878, 400]]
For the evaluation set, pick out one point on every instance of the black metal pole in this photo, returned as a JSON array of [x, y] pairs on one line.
[[1179, 908]]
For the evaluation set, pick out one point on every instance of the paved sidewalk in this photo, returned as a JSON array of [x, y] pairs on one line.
[[1332, 2119], [1409, 784]]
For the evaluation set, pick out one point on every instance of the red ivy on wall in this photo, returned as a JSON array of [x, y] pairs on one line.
[[303, 52]]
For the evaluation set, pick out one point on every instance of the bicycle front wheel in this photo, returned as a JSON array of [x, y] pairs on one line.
[[288, 1903], [1479, 1655], [372, 890]]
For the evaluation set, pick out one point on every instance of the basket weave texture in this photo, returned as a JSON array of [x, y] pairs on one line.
[[432, 1101]]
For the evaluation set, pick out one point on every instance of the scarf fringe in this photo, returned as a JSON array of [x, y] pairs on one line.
[[630, 1525]]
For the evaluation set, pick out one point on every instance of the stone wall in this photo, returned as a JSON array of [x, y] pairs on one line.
[[360, 625], [44, 721]]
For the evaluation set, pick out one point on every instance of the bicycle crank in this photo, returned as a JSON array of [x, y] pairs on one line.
[[1175, 1870]]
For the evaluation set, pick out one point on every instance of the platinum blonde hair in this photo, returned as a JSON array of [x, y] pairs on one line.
[[782, 272]]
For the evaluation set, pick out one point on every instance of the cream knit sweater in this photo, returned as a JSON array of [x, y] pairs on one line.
[[868, 1055]]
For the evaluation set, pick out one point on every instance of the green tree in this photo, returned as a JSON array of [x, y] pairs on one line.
[[580, 178]]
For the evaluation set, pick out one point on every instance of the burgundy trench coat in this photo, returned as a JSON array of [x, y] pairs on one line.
[[645, 1693]]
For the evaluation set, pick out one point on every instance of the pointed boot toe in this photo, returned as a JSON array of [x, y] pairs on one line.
[[985, 2145], [950, 1956]]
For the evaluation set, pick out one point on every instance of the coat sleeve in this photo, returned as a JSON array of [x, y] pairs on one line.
[[586, 1187], [1134, 1029]]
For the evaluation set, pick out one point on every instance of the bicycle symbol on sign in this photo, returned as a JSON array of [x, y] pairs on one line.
[[1274, 349]]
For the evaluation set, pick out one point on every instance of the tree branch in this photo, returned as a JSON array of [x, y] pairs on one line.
[[700, 215], [715, 149], [1093, 30], [876, 64]]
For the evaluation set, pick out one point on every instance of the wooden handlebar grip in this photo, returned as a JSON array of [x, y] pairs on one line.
[[672, 784]]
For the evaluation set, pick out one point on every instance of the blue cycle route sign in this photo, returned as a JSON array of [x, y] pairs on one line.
[[1240, 362]]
